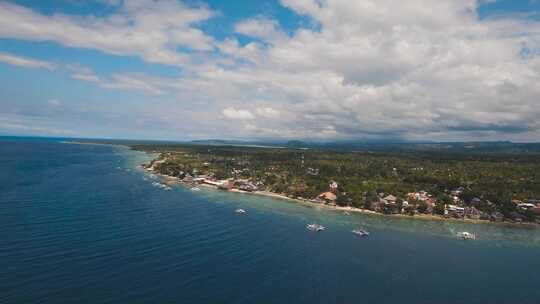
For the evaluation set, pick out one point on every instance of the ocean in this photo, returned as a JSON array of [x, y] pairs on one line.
[[82, 223]]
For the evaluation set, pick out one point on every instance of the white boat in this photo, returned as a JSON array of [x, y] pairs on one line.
[[346, 213], [360, 232], [195, 189], [241, 211], [466, 235], [315, 227]]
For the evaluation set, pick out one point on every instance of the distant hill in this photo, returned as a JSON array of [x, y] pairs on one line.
[[379, 146], [495, 147]]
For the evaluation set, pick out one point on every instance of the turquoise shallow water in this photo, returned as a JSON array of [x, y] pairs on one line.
[[80, 223]]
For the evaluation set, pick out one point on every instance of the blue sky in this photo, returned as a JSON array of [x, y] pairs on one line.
[[289, 69]]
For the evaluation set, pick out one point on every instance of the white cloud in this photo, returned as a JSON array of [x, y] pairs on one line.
[[83, 73], [262, 28], [26, 62], [150, 29], [135, 82], [268, 112], [132, 83], [20, 127], [416, 69], [232, 113]]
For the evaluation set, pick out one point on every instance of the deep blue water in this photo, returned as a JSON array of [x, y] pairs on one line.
[[80, 223]]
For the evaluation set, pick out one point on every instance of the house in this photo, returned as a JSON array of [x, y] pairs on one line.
[[455, 199], [312, 171], [390, 199], [328, 197], [537, 209], [517, 217], [199, 179], [420, 196], [221, 184], [457, 192], [188, 178], [526, 206], [472, 213], [516, 202], [430, 202], [226, 184], [496, 217], [454, 210], [476, 201], [245, 185], [333, 186]]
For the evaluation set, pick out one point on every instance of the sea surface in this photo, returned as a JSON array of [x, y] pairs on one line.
[[82, 224]]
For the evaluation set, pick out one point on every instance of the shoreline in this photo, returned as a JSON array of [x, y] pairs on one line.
[[171, 180]]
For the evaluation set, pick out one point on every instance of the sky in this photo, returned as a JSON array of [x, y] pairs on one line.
[[443, 70]]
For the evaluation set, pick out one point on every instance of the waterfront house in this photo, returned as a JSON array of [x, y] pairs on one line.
[[453, 210], [188, 178], [472, 213], [327, 197], [496, 216], [333, 186], [390, 199], [476, 201], [526, 206], [516, 202], [245, 185], [420, 196], [517, 217], [226, 184], [430, 202]]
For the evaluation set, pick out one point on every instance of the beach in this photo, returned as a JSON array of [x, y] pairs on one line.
[[171, 180]]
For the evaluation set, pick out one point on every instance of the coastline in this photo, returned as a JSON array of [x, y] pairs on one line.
[[171, 180]]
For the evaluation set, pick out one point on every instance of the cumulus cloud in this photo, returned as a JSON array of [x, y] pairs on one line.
[[83, 73], [136, 82], [232, 113], [150, 29], [416, 69], [132, 82], [262, 28], [26, 62], [267, 112]]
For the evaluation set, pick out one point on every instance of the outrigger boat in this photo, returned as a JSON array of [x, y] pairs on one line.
[[466, 235], [360, 232], [315, 227]]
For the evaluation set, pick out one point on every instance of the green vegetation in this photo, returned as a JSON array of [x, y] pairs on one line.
[[487, 182]]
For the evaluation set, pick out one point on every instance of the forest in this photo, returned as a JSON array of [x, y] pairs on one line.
[[493, 183]]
